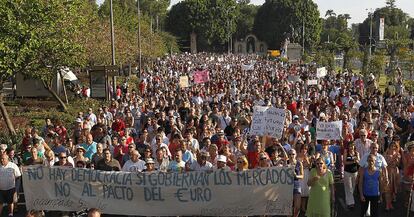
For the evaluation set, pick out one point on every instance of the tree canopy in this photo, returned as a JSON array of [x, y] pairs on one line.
[[276, 18], [212, 20]]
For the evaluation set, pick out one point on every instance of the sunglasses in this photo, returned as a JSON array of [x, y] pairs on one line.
[[240, 161], [319, 163], [63, 157], [263, 158]]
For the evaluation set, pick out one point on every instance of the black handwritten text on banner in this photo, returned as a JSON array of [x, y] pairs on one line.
[[254, 192]]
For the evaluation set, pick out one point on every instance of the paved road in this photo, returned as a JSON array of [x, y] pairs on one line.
[[342, 210]]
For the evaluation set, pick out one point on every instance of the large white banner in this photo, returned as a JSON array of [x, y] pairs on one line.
[[268, 121], [266, 191], [329, 130]]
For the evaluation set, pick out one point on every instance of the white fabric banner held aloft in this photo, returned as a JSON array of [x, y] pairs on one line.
[[329, 130], [265, 191], [268, 121]]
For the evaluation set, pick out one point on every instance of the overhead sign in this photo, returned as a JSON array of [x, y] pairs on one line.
[[98, 84], [268, 121], [381, 28], [265, 191], [329, 130]]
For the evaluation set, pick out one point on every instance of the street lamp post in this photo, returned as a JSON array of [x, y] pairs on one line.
[[112, 43], [112, 32], [229, 38], [370, 33], [139, 37]]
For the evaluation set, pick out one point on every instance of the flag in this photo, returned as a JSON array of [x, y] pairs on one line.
[[201, 76]]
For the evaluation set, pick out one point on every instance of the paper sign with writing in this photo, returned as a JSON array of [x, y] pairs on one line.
[[312, 82], [268, 121], [321, 72], [265, 191], [184, 81], [329, 130], [201, 76], [294, 78]]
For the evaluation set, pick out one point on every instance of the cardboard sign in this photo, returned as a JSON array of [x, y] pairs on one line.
[[312, 82], [294, 78], [268, 121], [321, 72], [329, 130], [184, 81]]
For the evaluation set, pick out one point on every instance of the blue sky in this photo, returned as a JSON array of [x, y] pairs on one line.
[[356, 8]]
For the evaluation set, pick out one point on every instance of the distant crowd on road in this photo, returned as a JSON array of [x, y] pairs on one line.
[[158, 125]]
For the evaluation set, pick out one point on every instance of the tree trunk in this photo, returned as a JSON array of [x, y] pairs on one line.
[[193, 42], [346, 60], [56, 96], [64, 87], [6, 117]]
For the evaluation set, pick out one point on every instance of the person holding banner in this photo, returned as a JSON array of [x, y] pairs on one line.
[[9, 173], [108, 163], [322, 191], [242, 164]]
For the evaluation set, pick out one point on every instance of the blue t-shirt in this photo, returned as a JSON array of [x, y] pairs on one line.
[[90, 149]]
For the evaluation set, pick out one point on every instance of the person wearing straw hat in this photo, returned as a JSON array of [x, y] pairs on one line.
[[150, 165], [221, 163]]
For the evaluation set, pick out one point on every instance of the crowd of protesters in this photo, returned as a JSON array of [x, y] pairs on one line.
[[157, 125]]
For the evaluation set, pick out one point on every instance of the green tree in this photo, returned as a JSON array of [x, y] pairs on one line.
[[212, 21], [245, 20], [377, 64], [397, 39], [38, 36], [276, 18], [392, 17], [335, 32], [330, 13], [153, 44]]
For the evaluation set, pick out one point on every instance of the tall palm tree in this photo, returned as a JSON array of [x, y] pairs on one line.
[[330, 13]]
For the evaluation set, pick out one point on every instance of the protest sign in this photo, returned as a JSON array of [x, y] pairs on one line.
[[329, 130], [293, 78], [265, 191], [321, 72], [312, 82], [249, 67], [201, 76], [268, 121], [184, 81]]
